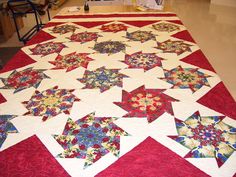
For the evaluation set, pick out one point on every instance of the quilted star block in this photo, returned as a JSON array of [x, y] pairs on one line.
[[63, 29], [206, 137], [142, 36], [114, 28], [170, 46], [84, 37], [185, 78], [90, 138], [150, 103], [109, 47], [6, 127], [142, 60], [71, 61], [102, 78], [24, 79], [165, 27], [51, 102], [47, 48]]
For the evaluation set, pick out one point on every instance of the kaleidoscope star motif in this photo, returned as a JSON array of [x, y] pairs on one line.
[[206, 137], [71, 61], [90, 138], [47, 48], [170, 46], [141, 36], [114, 28], [166, 27], [84, 37], [150, 103], [185, 78], [6, 127], [144, 61], [51, 102], [24, 79], [102, 78], [109, 47], [63, 29]]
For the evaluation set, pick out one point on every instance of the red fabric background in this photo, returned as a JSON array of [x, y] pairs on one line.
[[151, 159], [220, 100], [19, 60], [29, 158], [198, 59], [2, 99]]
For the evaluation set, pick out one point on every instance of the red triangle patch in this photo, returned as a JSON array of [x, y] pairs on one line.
[[40, 37], [220, 100], [198, 59], [139, 23], [150, 158], [29, 158], [19, 60], [185, 35], [176, 21], [50, 24], [2, 99]]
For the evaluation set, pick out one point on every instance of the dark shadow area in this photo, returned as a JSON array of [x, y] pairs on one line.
[[6, 53]]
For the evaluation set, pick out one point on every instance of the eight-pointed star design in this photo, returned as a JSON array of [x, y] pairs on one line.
[[141, 36], [90, 138], [51, 102], [114, 28], [84, 37], [206, 137], [186, 78], [142, 60], [150, 103], [102, 78], [6, 127], [71, 61], [165, 27], [170, 46], [63, 29], [47, 48], [109, 47], [24, 79]]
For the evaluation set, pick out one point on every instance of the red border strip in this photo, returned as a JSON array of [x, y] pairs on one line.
[[115, 15]]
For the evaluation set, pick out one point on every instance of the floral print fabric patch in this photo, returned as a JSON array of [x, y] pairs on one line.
[[71, 61], [170, 46], [6, 127], [142, 60], [24, 79], [90, 138], [150, 103], [186, 78], [109, 47], [47, 48], [84, 37], [63, 29], [102, 78], [206, 137], [166, 27], [142, 36], [50, 102]]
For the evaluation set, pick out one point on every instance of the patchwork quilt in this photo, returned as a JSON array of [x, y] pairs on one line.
[[128, 95]]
